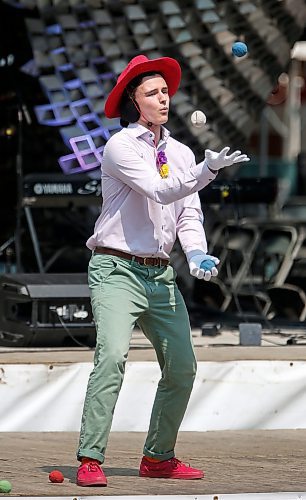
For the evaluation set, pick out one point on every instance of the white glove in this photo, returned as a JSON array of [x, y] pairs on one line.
[[215, 161], [203, 266]]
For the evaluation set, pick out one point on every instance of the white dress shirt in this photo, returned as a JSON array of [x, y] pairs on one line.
[[143, 213]]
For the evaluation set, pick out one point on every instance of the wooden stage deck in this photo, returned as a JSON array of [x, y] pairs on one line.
[[224, 347], [234, 462]]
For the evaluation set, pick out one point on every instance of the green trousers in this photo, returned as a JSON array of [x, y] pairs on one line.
[[123, 293]]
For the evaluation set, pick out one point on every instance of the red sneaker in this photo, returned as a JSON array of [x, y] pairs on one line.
[[91, 474], [171, 469]]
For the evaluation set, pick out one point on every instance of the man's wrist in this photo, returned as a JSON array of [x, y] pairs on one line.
[[212, 170]]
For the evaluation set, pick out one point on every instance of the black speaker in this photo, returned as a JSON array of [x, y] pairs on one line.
[[45, 310]]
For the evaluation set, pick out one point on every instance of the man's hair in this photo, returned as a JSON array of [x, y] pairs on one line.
[[128, 111]]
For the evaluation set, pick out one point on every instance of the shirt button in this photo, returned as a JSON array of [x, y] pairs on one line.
[[161, 246], [162, 207]]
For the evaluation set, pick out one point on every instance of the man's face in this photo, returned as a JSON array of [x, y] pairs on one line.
[[153, 100]]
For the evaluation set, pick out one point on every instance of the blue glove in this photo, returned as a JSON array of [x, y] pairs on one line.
[[203, 266]]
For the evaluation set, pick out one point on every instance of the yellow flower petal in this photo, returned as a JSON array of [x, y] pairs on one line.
[[164, 170]]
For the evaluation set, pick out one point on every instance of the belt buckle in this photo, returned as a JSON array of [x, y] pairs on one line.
[[145, 261]]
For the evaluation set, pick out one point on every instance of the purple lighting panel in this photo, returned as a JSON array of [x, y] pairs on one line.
[[81, 109], [54, 114], [85, 156]]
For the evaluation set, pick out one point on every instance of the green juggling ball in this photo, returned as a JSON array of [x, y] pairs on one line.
[[5, 486]]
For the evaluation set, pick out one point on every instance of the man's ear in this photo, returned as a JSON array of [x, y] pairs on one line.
[[128, 111]]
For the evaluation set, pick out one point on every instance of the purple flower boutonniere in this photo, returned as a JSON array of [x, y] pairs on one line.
[[162, 165]]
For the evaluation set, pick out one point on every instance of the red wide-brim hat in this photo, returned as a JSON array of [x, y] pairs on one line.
[[166, 66]]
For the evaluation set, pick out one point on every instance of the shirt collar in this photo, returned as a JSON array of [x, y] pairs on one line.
[[138, 130]]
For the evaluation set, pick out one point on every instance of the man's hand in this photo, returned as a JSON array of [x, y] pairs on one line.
[[203, 266], [216, 161]]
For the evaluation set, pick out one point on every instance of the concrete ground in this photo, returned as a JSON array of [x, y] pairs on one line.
[[234, 462]]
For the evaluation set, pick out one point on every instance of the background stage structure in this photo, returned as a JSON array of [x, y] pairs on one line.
[[58, 62]]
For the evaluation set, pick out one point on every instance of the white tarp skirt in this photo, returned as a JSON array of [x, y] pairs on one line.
[[232, 395], [239, 496]]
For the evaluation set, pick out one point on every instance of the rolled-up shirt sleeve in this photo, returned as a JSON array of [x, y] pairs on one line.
[[123, 161]]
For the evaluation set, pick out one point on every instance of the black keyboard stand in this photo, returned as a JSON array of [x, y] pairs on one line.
[[34, 239]]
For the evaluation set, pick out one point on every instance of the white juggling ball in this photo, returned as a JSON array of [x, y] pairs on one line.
[[198, 118]]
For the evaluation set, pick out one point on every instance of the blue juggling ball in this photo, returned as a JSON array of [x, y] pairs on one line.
[[207, 265], [239, 49]]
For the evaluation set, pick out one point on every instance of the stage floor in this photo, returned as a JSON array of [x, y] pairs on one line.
[[222, 347], [234, 462]]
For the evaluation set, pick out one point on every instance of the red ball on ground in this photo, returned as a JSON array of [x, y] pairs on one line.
[[56, 476]]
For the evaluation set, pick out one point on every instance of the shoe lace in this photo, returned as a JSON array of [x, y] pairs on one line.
[[177, 463], [92, 467]]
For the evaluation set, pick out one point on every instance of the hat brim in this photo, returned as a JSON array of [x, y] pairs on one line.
[[166, 66]]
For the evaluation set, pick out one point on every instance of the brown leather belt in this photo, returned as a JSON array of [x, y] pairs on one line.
[[146, 261]]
